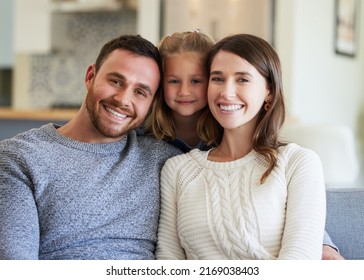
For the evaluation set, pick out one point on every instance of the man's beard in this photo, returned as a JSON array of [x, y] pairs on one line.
[[97, 121]]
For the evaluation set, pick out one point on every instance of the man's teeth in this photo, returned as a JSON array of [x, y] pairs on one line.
[[230, 108], [115, 113]]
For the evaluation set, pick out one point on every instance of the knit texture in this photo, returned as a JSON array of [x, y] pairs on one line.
[[64, 199], [219, 210]]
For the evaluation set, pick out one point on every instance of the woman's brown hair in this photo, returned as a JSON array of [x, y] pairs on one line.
[[263, 57]]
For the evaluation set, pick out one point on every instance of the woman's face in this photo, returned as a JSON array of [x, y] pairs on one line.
[[236, 91]]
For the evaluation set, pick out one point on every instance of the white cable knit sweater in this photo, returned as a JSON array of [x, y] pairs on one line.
[[219, 210]]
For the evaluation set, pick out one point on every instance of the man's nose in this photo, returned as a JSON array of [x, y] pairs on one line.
[[124, 96]]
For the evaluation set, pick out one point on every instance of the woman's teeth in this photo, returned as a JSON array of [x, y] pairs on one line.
[[230, 108]]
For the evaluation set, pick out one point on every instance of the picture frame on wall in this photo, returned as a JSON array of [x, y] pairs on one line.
[[346, 13]]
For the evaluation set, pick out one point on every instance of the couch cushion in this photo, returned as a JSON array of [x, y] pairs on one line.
[[345, 221]]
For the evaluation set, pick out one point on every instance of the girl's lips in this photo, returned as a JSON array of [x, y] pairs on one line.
[[185, 101]]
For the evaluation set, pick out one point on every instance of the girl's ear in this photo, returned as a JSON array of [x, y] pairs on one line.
[[90, 75]]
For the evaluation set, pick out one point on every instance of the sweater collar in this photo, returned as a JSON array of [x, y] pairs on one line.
[[101, 148]]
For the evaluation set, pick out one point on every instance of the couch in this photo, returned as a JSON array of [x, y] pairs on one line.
[[345, 220]]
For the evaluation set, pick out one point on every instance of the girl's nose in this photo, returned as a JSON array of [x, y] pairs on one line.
[[184, 90]]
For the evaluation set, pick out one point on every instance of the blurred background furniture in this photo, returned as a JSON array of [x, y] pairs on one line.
[[334, 144]]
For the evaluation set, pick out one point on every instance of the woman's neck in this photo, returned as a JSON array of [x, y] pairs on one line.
[[234, 145]]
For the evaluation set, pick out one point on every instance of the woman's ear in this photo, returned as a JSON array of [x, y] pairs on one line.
[[268, 98]]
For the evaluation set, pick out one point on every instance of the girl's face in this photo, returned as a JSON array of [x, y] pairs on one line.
[[185, 83], [236, 91]]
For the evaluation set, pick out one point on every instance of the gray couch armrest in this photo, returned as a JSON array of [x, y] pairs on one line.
[[345, 220]]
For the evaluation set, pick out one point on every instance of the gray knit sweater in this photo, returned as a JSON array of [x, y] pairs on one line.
[[63, 199]]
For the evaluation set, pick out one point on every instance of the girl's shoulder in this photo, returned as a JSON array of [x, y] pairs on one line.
[[184, 147]]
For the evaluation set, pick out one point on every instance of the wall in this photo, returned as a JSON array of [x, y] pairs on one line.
[[321, 86], [6, 35], [218, 18], [43, 80]]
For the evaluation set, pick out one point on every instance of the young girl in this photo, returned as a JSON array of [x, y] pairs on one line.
[[178, 116], [251, 197]]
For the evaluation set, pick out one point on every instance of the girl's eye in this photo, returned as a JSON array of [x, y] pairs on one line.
[[173, 81], [195, 81]]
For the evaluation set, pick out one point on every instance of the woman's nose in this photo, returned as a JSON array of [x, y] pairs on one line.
[[228, 91]]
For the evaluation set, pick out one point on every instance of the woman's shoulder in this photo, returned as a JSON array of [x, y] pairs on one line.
[[293, 153]]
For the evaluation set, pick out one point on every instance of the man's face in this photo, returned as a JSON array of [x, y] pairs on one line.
[[120, 94]]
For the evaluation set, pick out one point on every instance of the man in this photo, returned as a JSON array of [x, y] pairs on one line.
[[89, 189]]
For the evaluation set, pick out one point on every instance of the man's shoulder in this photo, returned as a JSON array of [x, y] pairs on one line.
[[26, 138]]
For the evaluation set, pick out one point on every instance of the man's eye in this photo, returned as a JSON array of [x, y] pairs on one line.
[[117, 82]]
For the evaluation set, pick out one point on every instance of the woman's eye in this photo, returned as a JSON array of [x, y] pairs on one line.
[[173, 81], [243, 80], [216, 79]]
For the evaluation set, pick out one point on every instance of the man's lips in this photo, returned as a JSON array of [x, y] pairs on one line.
[[119, 115]]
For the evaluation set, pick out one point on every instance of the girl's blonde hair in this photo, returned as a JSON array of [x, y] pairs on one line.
[[160, 120]]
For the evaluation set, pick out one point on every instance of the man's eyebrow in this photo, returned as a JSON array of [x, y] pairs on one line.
[[122, 77], [117, 75]]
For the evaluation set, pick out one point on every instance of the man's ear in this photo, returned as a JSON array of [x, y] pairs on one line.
[[90, 75]]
